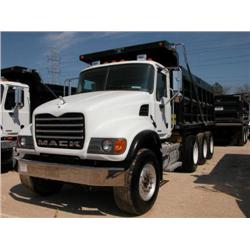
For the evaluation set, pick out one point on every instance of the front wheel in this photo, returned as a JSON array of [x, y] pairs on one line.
[[142, 184]]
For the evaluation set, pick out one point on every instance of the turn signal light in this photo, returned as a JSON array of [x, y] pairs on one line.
[[120, 146]]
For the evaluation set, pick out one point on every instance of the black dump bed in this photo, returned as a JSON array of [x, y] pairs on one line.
[[196, 108], [162, 52], [231, 109], [39, 93]]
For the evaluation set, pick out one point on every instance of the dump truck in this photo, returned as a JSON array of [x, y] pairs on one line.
[[231, 119], [22, 91], [136, 114]]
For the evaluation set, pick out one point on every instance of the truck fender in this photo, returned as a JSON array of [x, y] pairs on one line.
[[146, 139]]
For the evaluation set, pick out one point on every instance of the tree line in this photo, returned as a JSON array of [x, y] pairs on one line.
[[244, 89]]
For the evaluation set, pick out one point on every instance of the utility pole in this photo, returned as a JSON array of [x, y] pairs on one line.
[[54, 62]]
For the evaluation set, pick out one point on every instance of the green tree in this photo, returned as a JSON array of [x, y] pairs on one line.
[[218, 89], [244, 89]]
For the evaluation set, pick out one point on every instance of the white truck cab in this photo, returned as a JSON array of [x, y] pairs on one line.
[[136, 102], [14, 114], [119, 130]]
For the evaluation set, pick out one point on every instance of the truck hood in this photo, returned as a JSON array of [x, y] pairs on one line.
[[99, 102], [107, 114]]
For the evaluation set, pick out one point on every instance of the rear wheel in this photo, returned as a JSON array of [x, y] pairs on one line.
[[245, 135], [41, 186], [203, 147], [241, 137], [210, 141], [190, 153], [142, 184]]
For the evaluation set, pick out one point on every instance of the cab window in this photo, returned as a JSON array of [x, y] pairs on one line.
[[10, 99], [161, 89], [1, 94]]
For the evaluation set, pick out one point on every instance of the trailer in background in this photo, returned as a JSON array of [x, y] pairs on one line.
[[231, 119]]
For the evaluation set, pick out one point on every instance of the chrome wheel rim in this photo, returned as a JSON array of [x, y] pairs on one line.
[[195, 153], [147, 182]]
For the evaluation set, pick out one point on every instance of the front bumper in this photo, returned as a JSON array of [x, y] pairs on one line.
[[87, 175]]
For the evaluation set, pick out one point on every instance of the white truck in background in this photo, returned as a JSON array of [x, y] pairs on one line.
[[22, 91], [136, 113], [14, 115]]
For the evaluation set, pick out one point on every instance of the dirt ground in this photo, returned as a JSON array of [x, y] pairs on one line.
[[219, 188]]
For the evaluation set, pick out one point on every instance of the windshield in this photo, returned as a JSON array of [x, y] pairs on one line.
[[134, 76]]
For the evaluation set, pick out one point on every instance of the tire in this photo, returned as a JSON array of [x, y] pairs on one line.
[[210, 141], [245, 135], [190, 154], [6, 161], [41, 186], [241, 137], [203, 147], [138, 195]]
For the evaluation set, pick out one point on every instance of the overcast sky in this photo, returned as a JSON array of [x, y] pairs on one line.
[[222, 57]]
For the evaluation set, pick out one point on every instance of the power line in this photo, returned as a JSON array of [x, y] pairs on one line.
[[220, 64]]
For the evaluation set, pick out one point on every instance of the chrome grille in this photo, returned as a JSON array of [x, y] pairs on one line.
[[65, 131]]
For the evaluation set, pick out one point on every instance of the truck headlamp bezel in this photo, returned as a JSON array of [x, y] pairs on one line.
[[25, 142], [111, 146]]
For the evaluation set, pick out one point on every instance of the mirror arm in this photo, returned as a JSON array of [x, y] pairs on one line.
[[162, 105], [173, 97]]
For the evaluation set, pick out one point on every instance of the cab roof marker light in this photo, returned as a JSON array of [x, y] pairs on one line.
[[142, 57]]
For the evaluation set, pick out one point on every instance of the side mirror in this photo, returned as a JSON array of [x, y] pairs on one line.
[[18, 97], [177, 80]]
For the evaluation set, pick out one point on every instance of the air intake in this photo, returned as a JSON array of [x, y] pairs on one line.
[[144, 110]]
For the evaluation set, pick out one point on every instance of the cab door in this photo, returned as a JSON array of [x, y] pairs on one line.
[[162, 104], [14, 115]]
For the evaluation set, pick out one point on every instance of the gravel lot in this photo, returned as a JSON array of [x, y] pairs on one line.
[[219, 188]]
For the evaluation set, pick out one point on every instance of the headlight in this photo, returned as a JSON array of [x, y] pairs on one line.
[[25, 142], [22, 141], [113, 146], [107, 145]]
